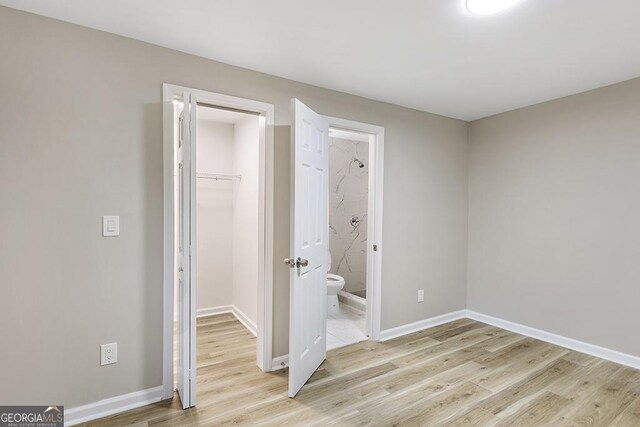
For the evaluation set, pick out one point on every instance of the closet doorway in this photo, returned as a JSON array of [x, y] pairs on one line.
[[227, 188], [218, 234]]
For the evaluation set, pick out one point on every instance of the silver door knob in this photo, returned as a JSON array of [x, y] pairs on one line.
[[302, 262], [290, 262]]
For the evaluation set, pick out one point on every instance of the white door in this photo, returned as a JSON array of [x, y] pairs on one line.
[[309, 223], [184, 257]]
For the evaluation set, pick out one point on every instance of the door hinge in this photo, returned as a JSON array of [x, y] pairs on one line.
[[375, 248]]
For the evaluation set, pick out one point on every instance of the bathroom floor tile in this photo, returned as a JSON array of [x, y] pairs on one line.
[[345, 327], [334, 342], [350, 336]]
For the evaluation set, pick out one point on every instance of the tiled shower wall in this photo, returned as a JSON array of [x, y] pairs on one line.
[[348, 197]]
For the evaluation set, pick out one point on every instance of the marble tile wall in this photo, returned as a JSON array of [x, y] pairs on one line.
[[348, 186]]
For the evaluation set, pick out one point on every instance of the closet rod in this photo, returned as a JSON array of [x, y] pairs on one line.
[[218, 177], [235, 110]]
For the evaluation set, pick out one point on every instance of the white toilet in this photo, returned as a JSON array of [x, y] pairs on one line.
[[334, 284]]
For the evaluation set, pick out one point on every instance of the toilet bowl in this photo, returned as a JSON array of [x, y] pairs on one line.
[[334, 284]]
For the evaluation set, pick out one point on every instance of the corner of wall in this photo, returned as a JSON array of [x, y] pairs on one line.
[[466, 285]]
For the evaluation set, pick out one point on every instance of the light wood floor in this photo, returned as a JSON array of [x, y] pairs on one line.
[[464, 373]]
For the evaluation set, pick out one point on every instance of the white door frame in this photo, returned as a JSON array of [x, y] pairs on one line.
[[374, 218], [265, 230]]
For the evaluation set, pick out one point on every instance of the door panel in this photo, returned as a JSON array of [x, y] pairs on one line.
[[193, 228], [309, 223], [186, 325]]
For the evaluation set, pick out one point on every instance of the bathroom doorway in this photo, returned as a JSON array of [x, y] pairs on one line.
[[355, 212]]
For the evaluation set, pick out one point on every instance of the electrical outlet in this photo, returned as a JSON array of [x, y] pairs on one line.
[[421, 295], [108, 353]]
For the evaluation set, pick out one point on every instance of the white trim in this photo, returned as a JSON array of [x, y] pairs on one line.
[[374, 214], [137, 399], [265, 267], [212, 311], [242, 318], [168, 242], [570, 343], [352, 297], [353, 302], [420, 325], [112, 405], [280, 362], [345, 134], [559, 340]]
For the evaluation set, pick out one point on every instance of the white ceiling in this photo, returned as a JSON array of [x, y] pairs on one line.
[[426, 54]]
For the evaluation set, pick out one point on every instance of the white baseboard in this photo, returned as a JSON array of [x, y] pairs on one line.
[[280, 362], [242, 318], [133, 400], [409, 328], [283, 361], [570, 343], [248, 323], [212, 311], [112, 405]]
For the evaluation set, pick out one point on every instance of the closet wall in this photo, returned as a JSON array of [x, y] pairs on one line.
[[228, 214], [246, 156], [215, 211]]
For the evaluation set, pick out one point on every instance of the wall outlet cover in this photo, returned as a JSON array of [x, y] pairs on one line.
[[108, 353]]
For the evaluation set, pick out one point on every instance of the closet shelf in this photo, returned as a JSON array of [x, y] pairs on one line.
[[218, 177]]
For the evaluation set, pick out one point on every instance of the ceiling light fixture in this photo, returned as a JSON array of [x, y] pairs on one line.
[[489, 7]]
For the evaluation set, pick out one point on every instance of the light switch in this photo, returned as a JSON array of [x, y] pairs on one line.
[[110, 226]]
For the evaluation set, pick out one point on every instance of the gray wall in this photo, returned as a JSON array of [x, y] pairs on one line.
[[81, 137], [246, 216], [554, 208]]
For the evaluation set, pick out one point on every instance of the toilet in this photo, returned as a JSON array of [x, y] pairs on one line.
[[334, 284]]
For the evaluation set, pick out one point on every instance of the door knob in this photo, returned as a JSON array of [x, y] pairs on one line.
[[290, 262], [301, 262]]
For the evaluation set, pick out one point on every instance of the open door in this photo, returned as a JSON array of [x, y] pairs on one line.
[[309, 224], [185, 258]]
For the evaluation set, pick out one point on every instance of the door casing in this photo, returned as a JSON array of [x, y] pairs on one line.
[[265, 297], [374, 230], [374, 212], [170, 93], [374, 218]]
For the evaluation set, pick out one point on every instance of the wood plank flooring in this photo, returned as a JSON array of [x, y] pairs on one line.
[[464, 373]]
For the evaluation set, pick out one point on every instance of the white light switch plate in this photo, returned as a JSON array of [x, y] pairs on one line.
[[110, 226], [421, 295]]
